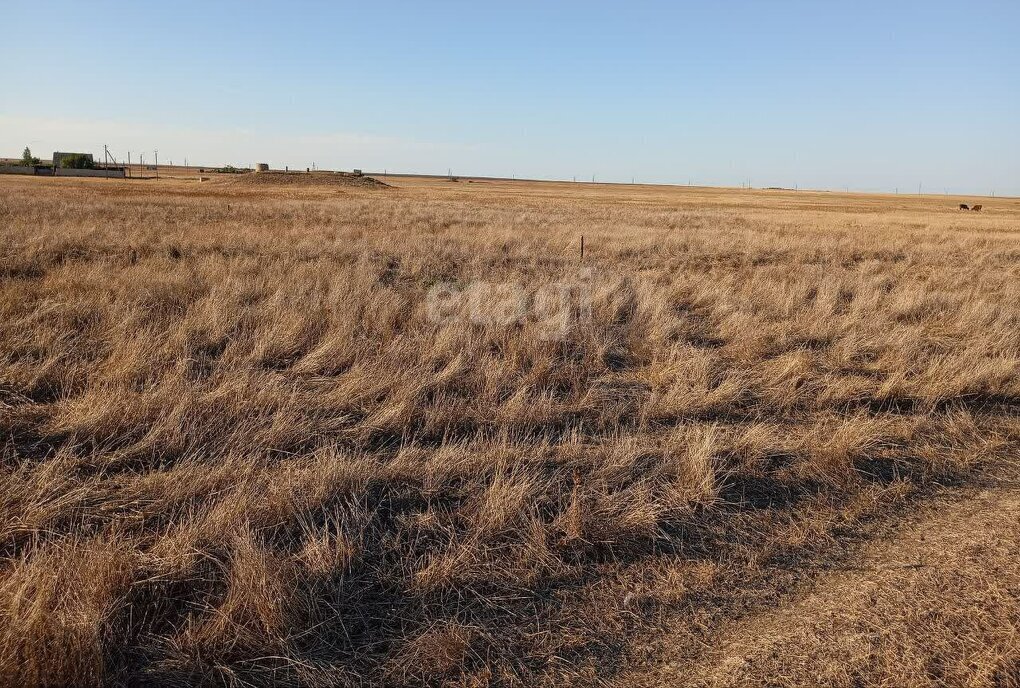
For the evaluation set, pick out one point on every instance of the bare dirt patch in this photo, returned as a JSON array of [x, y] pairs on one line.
[[936, 604]]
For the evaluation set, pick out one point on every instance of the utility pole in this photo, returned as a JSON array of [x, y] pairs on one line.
[[129, 162], [157, 163]]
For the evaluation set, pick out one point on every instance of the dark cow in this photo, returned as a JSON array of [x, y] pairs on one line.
[[963, 206], [977, 208]]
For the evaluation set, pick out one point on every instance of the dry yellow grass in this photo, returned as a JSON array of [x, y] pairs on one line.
[[240, 449]]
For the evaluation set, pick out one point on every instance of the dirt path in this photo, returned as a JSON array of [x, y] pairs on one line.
[[936, 605]]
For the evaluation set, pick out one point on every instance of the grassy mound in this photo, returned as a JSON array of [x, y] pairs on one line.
[[308, 179]]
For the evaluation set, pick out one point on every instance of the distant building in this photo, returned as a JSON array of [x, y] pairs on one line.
[[83, 166]]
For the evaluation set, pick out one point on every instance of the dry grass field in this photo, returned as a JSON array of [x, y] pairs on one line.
[[771, 438]]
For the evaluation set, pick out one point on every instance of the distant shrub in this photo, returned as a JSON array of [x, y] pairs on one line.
[[77, 161]]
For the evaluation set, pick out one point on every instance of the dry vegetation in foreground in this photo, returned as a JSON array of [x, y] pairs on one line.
[[237, 451]]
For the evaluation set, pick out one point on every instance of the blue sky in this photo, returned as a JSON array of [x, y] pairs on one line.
[[859, 95]]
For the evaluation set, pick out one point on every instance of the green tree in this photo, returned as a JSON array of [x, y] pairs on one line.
[[27, 159]]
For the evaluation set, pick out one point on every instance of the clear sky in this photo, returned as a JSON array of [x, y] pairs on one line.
[[859, 95]]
